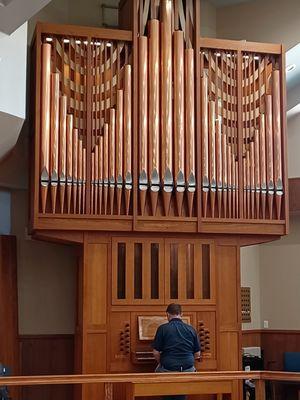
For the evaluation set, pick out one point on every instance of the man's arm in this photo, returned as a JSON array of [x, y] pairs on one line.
[[156, 354]]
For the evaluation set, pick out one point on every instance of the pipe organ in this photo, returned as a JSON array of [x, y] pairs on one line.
[[159, 153]]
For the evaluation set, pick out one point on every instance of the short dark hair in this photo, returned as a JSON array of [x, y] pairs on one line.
[[174, 309]]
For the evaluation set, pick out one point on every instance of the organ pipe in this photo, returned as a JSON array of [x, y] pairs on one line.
[[62, 150], [105, 167], [75, 167], [278, 183], [219, 175], [205, 135], [100, 174], [119, 149], [54, 137], [212, 155], [45, 122], [166, 102], [179, 118], [263, 165], [190, 170], [143, 119], [69, 160], [269, 143], [96, 177], [224, 171], [80, 173], [154, 112], [229, 173], [257, 172], [112, 160], [128, 137], [84, 180]]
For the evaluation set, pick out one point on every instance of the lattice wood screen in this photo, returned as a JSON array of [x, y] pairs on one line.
[[246, 304]]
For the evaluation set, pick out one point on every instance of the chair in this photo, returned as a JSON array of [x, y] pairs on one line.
[[291, 361]]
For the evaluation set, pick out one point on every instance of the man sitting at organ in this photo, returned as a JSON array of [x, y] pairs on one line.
[[176, 345]]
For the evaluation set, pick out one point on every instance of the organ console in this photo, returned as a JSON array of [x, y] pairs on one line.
[[159, 154]]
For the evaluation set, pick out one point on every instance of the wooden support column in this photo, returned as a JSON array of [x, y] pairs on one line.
[[92, 322], [228, 308]]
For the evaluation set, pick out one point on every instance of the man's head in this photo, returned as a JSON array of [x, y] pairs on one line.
[[173, 311]]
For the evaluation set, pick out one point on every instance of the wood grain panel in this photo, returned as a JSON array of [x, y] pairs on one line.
[[228, 357], [57, 358], [251, 338], [119, 359], [96, 276], [94, 362], [226, 261]]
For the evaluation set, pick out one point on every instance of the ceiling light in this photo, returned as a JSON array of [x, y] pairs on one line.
[[290, 67], [49, 39], [66, 40], [78, 41]]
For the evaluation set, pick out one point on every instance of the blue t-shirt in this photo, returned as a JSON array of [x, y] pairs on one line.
[[177, 342]]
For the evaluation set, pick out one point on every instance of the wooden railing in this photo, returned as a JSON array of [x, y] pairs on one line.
[[98, 152], [216, 383]]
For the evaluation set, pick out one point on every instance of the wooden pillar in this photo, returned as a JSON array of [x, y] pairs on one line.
[[9, 346], [91, 335], [229, 310]]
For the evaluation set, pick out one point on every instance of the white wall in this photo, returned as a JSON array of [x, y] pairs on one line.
[[250, 277], [280, 280], [274, 21], [294, 146], [208, 19], [13, 72], [46, 278]]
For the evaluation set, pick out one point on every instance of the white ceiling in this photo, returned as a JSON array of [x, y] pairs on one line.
[[13, 13]]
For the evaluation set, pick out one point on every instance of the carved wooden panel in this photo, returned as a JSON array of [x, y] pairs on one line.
[[162, 271], [246, 304], [189, 271], [137, 271], [119, 343], [206, 328]]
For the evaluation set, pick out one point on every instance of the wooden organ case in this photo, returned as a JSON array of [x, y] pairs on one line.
[[159, 154]]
